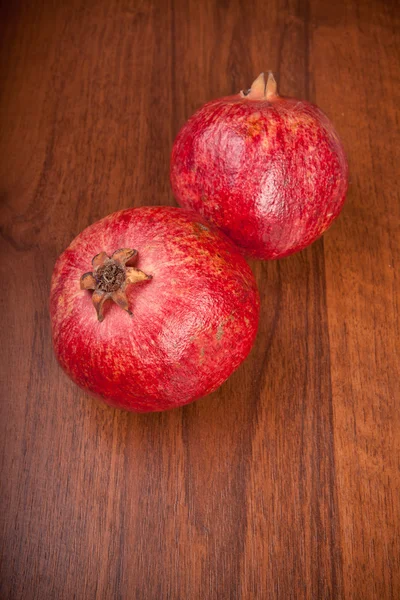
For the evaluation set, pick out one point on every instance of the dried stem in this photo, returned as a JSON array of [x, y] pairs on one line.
[[110, 277]]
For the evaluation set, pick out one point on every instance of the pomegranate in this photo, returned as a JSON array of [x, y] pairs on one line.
[[269, 171], [163, 332]]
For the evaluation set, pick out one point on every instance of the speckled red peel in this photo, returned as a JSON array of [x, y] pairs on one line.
[[174, 336], [269, 171]]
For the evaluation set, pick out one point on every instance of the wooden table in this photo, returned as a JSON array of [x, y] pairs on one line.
[[284, 484]]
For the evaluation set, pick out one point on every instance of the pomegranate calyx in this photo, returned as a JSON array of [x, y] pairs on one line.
[[109, 279], [261, 89]]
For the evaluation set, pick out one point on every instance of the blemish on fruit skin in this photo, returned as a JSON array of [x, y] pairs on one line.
[[203, 227], [254, 124], [220, 332]]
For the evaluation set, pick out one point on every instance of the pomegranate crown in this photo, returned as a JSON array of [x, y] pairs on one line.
[[110, 278], [262, 89]]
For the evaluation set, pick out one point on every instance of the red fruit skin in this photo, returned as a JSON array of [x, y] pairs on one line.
[[192, 324], [271, 174]]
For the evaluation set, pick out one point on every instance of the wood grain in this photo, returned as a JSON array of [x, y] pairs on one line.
[[285, 483]]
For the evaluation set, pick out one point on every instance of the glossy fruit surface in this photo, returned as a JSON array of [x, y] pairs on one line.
[[162, 321], [269, 171]]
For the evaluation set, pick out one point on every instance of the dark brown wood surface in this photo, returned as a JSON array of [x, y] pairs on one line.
[[285, 483]]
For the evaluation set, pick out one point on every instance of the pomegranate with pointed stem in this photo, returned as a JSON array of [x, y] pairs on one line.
[[269, 171], [152, 308]]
